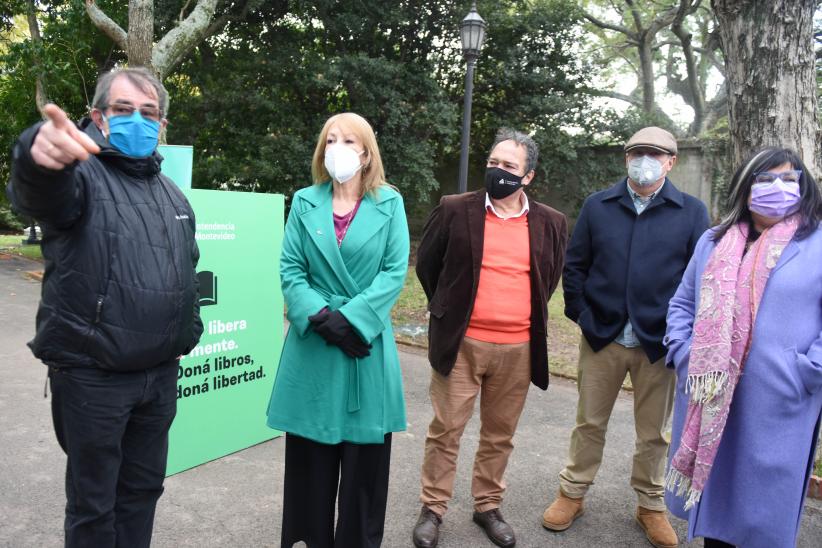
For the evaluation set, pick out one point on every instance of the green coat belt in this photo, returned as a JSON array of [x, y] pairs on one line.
[[320, 393]]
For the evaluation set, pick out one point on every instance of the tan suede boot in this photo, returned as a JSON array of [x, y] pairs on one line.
[[562, 512], [657, 527]]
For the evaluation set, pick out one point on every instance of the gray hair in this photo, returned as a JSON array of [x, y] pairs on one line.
[[141, 77], [520, 138]]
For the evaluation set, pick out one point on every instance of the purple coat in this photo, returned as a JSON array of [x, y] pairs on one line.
[[755, 492]]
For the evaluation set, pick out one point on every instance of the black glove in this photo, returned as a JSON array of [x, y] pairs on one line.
[[336, 330]]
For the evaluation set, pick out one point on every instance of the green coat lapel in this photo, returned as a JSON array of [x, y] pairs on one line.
[[319, 225], [369, 220]]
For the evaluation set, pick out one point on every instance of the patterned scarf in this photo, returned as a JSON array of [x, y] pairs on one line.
[[730, 292]]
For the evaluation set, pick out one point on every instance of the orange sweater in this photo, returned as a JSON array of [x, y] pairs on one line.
[[502, 307]]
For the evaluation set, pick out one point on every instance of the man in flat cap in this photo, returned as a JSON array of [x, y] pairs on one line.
[[629, 248]]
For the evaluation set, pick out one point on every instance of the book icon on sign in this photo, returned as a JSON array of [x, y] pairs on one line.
[[208, 287]]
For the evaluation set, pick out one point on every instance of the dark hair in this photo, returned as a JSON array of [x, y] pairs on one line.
[[141, 77], [810, 203], [520, 138]]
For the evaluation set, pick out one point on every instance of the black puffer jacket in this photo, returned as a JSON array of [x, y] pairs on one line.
[[120, 287]]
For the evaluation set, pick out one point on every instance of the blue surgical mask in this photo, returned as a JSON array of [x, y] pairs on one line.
[[133, 135], [645, 170]]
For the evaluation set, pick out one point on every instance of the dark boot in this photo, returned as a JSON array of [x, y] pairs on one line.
[[499, 532], [427, 530]]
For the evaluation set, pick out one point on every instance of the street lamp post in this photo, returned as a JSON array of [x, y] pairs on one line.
[[31, 239], [472, 33]]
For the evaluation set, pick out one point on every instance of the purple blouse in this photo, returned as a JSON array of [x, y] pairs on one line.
[[342, 222]]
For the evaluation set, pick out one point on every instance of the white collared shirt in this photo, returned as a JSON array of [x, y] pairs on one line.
[[523, 211]]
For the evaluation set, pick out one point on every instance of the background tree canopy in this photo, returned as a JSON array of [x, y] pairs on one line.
[[252, 97], [254, 85]]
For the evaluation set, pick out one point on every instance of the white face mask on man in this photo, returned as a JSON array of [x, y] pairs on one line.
[[645, 170], [342, 162]]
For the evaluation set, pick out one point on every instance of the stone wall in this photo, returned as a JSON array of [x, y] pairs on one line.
[[701, 171]]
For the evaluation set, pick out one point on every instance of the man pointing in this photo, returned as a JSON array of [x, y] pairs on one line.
[[119, 300]]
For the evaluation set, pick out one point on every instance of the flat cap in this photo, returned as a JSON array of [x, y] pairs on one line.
[[652, 137]]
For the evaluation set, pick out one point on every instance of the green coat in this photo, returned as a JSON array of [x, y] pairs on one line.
[[320, 393]]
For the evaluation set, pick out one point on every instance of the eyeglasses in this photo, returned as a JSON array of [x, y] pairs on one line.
[[125, 109], [767, 177]]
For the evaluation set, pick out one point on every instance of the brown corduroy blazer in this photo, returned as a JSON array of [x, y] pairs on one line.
[[448, 267]]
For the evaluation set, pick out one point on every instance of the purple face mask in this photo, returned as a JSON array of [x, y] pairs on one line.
[[775, 200]]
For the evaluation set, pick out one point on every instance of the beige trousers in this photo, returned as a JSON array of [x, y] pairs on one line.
[[599, 379], [502, 373]]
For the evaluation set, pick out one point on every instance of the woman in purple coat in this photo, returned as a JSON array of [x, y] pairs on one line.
[[745, 336]]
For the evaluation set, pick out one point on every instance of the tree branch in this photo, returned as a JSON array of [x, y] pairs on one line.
[[693, 89], [609, 26], [104, 23], [636, 15], [637, 102], [662, 20], [717, 107], [715, 61], [658, 45], [179, 41], [183, 11]]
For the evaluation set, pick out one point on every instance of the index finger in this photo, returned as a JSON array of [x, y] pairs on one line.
[[57, 116]]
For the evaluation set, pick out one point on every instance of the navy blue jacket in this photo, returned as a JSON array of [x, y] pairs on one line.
[[621, 264]]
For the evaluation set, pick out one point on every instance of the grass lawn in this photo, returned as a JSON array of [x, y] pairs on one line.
[[12, 244]]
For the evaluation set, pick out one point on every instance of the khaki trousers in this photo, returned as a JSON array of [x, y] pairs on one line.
[[502, 372], [599, 379]]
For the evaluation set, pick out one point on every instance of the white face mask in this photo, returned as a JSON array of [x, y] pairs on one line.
[[342, 162], [645, 170]]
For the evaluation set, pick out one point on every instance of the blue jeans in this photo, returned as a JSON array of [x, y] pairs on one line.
[[113, 428]]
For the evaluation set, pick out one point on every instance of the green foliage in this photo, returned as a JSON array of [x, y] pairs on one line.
[[252, 106], [252, 98], [8, 220], [615, 54], [528, 78], [71, 54]]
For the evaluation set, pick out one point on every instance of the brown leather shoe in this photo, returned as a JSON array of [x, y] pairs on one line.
[[562, 512], [427, 530], [499, 532], [657, 527]]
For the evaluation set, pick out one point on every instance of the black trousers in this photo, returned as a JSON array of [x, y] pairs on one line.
[[713, 543], [313, 472], [113, 428]]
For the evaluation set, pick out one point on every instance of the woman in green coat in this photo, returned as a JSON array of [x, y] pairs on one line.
[[338, 393]]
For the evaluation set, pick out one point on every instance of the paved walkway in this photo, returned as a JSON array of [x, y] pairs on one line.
[[235, 502]]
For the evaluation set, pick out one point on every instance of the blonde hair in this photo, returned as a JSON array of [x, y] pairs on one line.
[[373, 174]]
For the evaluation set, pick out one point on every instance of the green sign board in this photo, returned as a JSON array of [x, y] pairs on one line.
[[224, 384], [177, 163]]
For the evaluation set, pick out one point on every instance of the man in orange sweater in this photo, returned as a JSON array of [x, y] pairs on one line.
[[488, 261]]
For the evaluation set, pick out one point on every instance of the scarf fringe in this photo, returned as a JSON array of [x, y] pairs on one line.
[[706, 386], [680, 485]]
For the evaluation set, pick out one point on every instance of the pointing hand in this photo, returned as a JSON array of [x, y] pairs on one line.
[[59, 142]]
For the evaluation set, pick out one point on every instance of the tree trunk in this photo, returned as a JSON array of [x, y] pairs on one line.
[[769, 62], [697, 101], [646, 69], [40, 96], [140, 32], [138, 42]]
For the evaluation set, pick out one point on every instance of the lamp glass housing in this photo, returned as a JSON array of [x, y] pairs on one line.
[[472, 33]]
